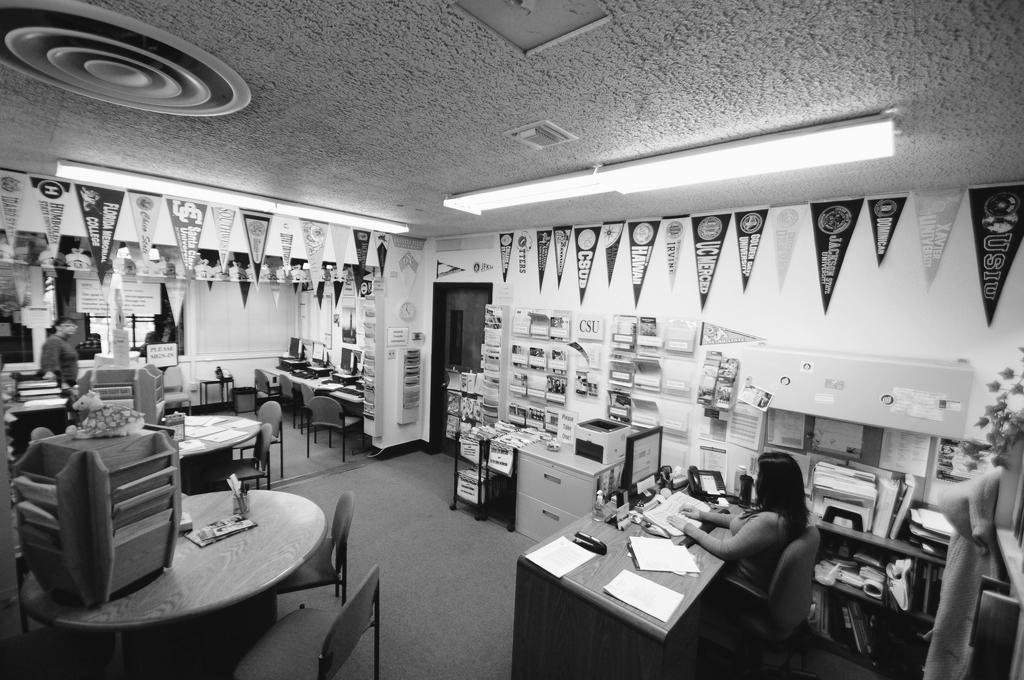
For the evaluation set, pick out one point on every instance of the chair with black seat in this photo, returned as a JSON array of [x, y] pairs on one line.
[[267, 385], [312, 643], [269, 412], [306, 393], [353, 413], [257, 467], [56, 654], [287, 398], [174, 394], [326, 413], [778, 618], [329, 564]]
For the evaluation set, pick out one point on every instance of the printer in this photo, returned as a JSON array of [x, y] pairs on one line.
[[602, 441]]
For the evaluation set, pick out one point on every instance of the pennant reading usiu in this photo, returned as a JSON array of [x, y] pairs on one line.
[[787, 227], [543, 246], [145, 209], [224, 218], [187, 219], [257, 228], [101, 208], [12, 193], [708, 236], [672, 227], [505, 250], [641, 242], [936, 212], [586, 245], [885, 214], [314, 236], [362, 245], [612, 236], [834, 222], [562, 236], [382, 250], [524, 244], [749, 229], [998, 231], [54, 197]]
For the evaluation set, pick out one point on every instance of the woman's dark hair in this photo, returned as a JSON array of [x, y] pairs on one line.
[[780, 489]]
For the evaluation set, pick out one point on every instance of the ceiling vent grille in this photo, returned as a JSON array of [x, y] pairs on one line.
[[541, 135]]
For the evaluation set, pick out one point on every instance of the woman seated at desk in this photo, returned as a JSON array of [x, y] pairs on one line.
[[759, 535]]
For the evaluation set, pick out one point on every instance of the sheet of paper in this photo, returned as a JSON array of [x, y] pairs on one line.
[[189, 445], [659, 554], [202, 421], [745, 426], [905, 452], [671, 507], [560, 556], [224, 435], [786, 428], [203, 432], [646, 595]]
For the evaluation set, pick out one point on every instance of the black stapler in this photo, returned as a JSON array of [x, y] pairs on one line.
[[590, 543]]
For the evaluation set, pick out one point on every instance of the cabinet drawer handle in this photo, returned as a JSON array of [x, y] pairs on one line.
[[550, 514], [552, 478]]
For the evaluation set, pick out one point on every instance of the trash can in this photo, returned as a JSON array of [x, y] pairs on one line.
[[244, 399]]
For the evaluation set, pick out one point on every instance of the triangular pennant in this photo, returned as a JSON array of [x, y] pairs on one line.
[[362, 237], [673, 228], [287, 228], [187, 220], [998, 231], [243, 288], [145, 209], [21, 277], [544, 237], [586, 245], [340, 236], [275, 292], [338, 285], [176, 297], [382, 250], [711, 334], [101, 208], [257, 229], [525, 245], [408, 269], [749, 228], [444, 269], [834, 222], [708, 236], [787, 221], [320, 294], [209, 284], [54, 199], [642, 235], [314, 236], [612, 235], [12, 195], [224, 218], [936, 212], [562, 236], [65, 287], [296, 285], [885, 213], [505, 250]]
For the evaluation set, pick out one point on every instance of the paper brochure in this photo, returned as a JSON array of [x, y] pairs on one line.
[[560, 556], [644, 594]]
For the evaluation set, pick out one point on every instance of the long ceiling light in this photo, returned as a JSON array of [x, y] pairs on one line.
[[830, 144], [81, 172]]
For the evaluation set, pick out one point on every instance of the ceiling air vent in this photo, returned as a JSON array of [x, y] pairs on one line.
[[541, 135]]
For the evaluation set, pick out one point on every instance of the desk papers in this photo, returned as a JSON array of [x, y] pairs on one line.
[[560, 556], [202, 421], [189, 445], [673, 506], [644, 594], [224, 435], [193, 432], [659, 554]]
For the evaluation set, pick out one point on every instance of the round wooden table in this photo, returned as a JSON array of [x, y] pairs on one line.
[[188, 618], [202, 452]]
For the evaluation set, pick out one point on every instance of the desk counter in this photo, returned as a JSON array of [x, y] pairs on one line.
[[318, 385]]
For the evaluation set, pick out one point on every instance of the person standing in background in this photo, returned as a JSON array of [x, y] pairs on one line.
[[59, 358]]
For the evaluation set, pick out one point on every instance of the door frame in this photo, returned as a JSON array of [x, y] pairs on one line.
[[438, 407]]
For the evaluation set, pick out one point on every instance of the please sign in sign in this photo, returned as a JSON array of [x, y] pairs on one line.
[[163, 354]]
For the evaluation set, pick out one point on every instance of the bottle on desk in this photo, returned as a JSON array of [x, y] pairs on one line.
[[599, 506]]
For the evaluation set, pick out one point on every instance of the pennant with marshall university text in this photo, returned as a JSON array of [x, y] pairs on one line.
[[562, 236], [749, 231], [612, 237], [936, 212], [884, 213], [708, 236], [673, 227], [257, 229], [586, 246], [54, 199], [101, 208], [505, 250], [788, 220], [544, 237], [12, 194], [444, 269], [834, 222], [642, 235], [187, 220], [998, 231]]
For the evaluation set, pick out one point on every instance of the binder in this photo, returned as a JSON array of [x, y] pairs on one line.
[[909, 483]]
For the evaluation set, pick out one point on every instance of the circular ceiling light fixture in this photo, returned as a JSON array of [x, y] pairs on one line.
[[107, 56]]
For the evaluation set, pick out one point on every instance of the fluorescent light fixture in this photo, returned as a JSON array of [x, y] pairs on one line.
[[81, 172], [584, 183], [831, 144]]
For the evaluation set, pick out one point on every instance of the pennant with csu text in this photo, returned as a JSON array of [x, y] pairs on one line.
[[257, 232], [505, 251], [998, 231], [788, 221], [712, 334], [749, 231], [187, 220], [642, 235], [12, 194], [314, 237], [586, 246], [101, 208], [54, 198], [145, 209], [382, 251], [543, 246], [672, 227], [936, 212], [224, 218], [444, 269], [612, 236], [562, 237], [884, 213], [834, 222], [525, 244], [708, 236]]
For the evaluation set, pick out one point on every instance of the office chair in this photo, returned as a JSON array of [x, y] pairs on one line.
[[780, 615], [353, 413], [56, 654], [327, 413], [329, 564], [245, 469], [311, 643], [287, 398], [306, 394], [269, 412], [174, 395]]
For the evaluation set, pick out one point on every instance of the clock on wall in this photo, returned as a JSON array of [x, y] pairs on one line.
[[407, 311]]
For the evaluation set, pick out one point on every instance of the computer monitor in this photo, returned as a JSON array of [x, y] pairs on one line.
[[346, 359], [357, 361], [319, 355], [643, 456], [307, 349], [295, 348]]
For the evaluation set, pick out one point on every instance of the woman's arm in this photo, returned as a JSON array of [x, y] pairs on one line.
[[718, 519], [759, 533]]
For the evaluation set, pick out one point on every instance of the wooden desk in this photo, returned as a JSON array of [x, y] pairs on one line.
[[209, 452], [318, 386], [225, 384], [570, 628], [204, 612]]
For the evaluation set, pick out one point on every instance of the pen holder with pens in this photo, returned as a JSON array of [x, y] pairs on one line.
[[240, 504]]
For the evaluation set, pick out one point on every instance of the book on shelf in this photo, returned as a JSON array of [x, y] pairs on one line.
[[906, 494]]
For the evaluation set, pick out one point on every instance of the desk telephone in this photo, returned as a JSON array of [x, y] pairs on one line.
[[705, 482]]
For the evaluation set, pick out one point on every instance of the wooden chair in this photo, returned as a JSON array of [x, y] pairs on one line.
[[327, 413], [257, 467], [311, 643], [329, 564], [174, 394]]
